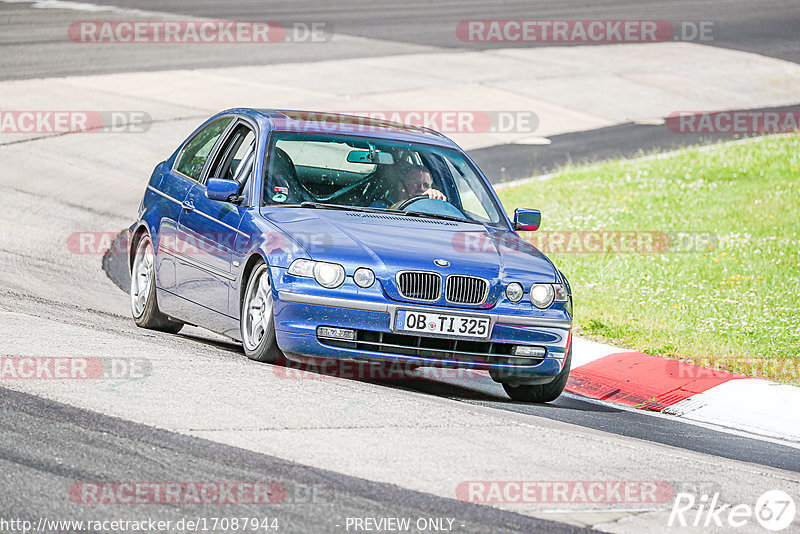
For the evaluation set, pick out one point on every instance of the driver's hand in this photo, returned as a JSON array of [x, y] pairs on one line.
[[435, 194]]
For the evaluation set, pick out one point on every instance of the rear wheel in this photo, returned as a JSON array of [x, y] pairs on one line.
[[257, 321], [542, 392], [144, 306]]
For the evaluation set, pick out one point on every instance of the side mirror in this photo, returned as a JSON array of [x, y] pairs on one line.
[[223, 190], [527, 220]]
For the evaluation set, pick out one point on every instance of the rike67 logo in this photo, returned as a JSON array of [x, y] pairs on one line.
[[775, 510]]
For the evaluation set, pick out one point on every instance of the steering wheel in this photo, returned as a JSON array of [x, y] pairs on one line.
[[403, 204]]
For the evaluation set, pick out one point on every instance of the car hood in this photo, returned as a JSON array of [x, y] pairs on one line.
[[388, 243]]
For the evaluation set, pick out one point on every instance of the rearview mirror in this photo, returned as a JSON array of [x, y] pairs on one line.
[[527, 220], [223, 190], [365, 156]]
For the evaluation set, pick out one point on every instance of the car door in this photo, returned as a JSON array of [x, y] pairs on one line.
[[172, 190], [209, 227]]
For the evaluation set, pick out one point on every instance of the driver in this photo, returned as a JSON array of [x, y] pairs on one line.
[[416, 182], [403, 181]]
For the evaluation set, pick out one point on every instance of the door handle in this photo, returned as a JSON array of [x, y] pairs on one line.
[[188, 205]]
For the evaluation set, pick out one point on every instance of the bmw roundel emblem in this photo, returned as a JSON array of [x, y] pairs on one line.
[[442, 263]]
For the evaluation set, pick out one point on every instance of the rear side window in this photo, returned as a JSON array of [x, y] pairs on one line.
[[196, 152]]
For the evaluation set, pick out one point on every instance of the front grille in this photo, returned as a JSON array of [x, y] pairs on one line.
[[466, 289], [419, 285], [435, 348]]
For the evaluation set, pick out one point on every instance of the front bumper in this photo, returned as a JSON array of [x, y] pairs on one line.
[[298, 315]]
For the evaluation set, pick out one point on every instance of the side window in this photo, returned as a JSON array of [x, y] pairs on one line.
[[231, 158], [195, 153], [242, 156]]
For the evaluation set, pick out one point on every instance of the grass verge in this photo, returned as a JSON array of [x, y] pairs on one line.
[[700, 254]]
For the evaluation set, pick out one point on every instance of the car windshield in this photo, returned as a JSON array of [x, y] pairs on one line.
[[350, 172]]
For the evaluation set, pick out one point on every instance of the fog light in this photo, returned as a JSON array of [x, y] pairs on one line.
[[363, 277], [336, 333], [514, 292], [529, 352]]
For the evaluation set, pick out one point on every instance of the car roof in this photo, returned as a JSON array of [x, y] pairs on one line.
[[333, 123]]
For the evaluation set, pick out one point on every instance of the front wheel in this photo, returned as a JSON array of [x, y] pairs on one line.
[[144, 306], [543, 392], [257, 321]]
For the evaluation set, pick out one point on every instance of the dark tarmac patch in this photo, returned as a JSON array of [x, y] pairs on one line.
[[115, 264]]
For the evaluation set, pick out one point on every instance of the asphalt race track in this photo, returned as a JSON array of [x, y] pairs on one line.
[[36, 45], [342, 449], [35, 430], [37, 41]]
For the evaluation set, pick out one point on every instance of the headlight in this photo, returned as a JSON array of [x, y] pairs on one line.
[[363, 277], [542, 295], [328, 275], [514, 292]]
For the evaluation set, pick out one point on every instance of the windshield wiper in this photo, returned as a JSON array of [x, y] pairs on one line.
[[438, 216], [324, 206]]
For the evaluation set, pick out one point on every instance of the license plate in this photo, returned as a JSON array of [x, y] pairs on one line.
[[441, 323]]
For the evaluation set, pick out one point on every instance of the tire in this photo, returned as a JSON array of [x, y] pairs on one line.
[[257, 320], [144, 305], [543, 392]]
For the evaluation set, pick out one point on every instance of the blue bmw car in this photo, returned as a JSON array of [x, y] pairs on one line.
[[316, 236]]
